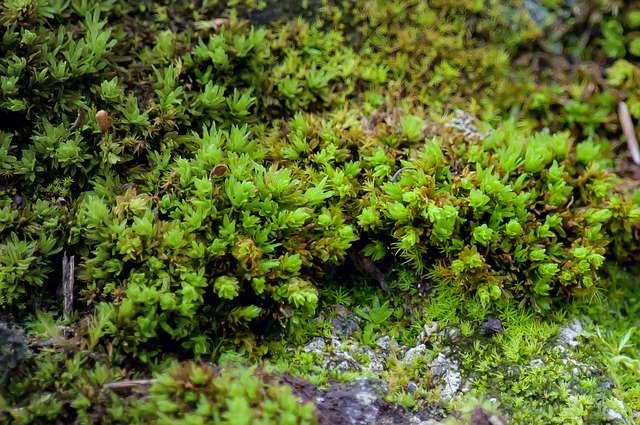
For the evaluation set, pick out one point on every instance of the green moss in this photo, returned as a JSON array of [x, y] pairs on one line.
[[253, 150], [188, 393], [81, 389]]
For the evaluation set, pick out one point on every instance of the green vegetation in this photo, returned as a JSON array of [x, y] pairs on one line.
[[462, 155], [73, 389]]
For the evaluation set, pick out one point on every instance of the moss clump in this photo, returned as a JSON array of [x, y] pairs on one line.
[[32, 238], [242, 163], [62, 387], [234, 223], [214, 242], [57, 386], [188, 393], [518, 216]]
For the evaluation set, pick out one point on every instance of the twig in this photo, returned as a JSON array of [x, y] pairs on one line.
[[134, 383], [78, 122], [629, 131], [397, 173], [68, 275], [368, 267], [56, 342]]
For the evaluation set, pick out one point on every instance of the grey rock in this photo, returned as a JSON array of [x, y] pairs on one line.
[[384, 343], [317, 345], [448, 373], [415, 352], [362, 403], [540, 14], [344, 326], [453, 334], [491, 327], [340, 359], [614, 415], [411, 387], [13, 350], [570, 332], [429, 330]]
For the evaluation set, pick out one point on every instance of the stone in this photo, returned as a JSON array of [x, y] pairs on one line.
[[570, 332], [448, 373], [413, 353]]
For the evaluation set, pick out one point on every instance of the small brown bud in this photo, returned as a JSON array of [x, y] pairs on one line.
[[218, 170], [103, 120], [218, 23]]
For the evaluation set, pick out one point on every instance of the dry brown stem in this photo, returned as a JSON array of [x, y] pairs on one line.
[[629, 131]]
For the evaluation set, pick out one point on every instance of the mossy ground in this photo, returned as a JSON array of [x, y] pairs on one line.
[[405, 169], [527, 371]]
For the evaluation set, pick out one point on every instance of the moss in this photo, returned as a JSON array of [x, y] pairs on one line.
[[252, 162], [200, 393], [530, 371], [80, 389]]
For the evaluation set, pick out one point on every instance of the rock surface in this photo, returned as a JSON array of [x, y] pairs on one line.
[[362, 401]]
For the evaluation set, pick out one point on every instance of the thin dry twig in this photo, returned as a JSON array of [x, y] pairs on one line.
[[629, 131], [68, 276], [78, 122], [397, 173], [368, 267], [127, 384]]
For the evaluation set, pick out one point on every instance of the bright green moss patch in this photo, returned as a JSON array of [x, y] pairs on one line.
[[612, 337], [586, 371], [223, 172], [242, 229], [188, 393], [84, 390], [579, 365]]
